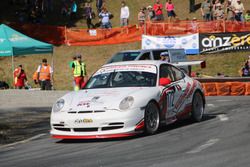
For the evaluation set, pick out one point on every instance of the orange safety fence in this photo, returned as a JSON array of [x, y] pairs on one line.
[[238, 88], [226, 88], [247, 88], [61, 35], [188, 27], [223, 89], [210, 89], [50, 34], [82, 37]]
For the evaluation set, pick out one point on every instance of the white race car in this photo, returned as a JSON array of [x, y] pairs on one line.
[[126, 98]]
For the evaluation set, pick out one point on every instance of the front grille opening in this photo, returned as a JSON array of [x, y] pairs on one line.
[[83, 112], [97, 111], [72, 112], [111, 127], [63, 129], [58, 125], [85, 129], [116, 123]]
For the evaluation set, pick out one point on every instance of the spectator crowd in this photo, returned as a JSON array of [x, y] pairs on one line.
[[35, 11], [230, 10]]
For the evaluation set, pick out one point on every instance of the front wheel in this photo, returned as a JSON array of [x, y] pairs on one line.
[[152, 118], [197, 107]]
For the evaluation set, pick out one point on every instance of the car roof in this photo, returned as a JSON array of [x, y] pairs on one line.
[[137, 62]]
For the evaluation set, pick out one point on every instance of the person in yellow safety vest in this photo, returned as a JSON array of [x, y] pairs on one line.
[[44, 74], [79, 72]]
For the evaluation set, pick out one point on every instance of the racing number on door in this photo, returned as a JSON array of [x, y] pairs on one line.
[[170, 100]]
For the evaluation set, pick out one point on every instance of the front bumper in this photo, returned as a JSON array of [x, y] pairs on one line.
[[107, 124]]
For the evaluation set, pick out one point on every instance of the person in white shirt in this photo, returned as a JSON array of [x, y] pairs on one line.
[[239, 9], [124, 14]]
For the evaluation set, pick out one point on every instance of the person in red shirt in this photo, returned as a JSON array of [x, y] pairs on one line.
[[158, 11], [20, 78]]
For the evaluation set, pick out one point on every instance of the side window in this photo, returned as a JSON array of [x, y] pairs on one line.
[[157, 54], [177, 74], [145, 56], [165, 72]]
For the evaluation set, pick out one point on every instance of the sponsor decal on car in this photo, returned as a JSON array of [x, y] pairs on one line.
[[118, 68], [85, 120], [84, 103]]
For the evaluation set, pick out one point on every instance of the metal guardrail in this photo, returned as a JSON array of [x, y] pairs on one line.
[[223, 79]]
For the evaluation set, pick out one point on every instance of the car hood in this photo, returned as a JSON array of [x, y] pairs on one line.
[[101, 99]]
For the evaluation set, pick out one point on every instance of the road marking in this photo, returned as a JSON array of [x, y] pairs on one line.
[[209, 143], [223, 117], [210, 105], [224, 100], [23, 141]]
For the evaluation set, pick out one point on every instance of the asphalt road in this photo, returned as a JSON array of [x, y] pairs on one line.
[[221, 139]]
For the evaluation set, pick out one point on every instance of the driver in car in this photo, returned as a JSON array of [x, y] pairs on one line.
[[164, 57]]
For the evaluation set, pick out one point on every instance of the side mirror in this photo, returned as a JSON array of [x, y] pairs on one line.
[[164, 81]]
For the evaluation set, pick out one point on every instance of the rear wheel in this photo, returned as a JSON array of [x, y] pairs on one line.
[[197, 107], [152, 118]]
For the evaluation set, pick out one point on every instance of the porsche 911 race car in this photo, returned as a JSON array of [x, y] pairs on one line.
[[127, 98]]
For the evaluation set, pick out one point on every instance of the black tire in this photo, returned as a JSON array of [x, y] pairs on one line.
[[151, 118], [197, 107]]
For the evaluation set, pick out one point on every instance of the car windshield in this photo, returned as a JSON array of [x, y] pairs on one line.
[[124, 56], [122, 77]]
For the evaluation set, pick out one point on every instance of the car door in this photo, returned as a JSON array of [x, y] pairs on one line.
[[169, 94], [183, 87]]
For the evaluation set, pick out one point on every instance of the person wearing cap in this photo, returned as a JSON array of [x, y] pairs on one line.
[[79, 72], [164, 57], [194, 25], [219, 13], [151, 13], [20, 78], [45, 75], [238, 10]]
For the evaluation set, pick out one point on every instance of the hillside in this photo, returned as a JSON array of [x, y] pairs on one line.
[[95, 56]]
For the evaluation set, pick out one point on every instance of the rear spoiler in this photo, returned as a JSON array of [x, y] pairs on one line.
[[190, 63]]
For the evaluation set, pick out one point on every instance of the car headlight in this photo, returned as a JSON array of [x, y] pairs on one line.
[[126, 103], [58, 105]]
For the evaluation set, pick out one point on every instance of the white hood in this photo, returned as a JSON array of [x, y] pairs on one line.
[[100, 99]]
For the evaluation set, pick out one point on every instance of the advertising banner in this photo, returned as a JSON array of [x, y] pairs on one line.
[[188, 42], [224, 42]]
